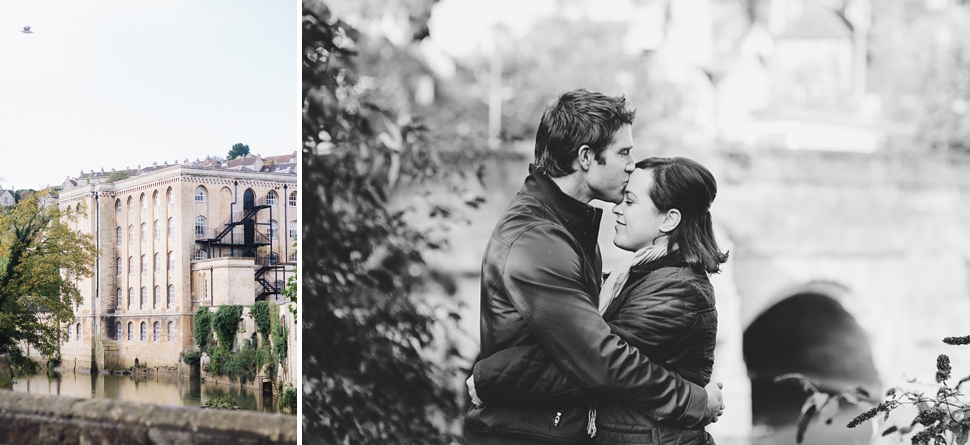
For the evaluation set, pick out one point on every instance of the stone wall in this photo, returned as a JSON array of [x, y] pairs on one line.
[[27, 419]]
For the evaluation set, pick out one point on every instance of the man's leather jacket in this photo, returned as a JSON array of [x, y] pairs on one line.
[[541, 276]]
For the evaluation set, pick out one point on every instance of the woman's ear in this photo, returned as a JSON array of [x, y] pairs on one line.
[[671, 221]]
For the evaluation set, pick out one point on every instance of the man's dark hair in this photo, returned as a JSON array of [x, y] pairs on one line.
[[686, 185], [578, 117]]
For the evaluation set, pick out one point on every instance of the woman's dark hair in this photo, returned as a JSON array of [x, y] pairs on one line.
[[685, 185], [578, 117]]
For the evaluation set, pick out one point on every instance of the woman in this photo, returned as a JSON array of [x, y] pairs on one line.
[[659, 300]]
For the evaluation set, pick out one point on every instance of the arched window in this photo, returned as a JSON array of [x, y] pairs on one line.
[[78, 331], [272, 229], [144, 331], [200, 255], [156, 331], [144, 203], [171, 228], [171, 331], [171, 260], [274, 258], [200, 194], [157, 262], [293, 230], [293, 199], [131, 296], [131, 265], [200, 224], [171, 295], [118, 300], [144, 264], [271, 198], [144, 231], [118, 265], [156, 296], [169, 196], [131, 204], [131, 234], [144, 297], [118, 234], [131, 327], [118, 331], [156, 199], [157, 229], [118, 206]]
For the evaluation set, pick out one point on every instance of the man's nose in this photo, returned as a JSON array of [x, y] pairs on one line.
[[630, 166]]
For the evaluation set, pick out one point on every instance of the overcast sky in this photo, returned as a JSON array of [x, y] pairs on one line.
[[116, 84]]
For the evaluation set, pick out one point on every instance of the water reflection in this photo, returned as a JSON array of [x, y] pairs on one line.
[[158, 389]]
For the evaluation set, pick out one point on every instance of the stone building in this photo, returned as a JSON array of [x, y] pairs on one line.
[[172, 238], [6, 198]]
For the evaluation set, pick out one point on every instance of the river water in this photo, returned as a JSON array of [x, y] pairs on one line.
[[158, 389]]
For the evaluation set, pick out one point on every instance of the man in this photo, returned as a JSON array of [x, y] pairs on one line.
[[541, 277]]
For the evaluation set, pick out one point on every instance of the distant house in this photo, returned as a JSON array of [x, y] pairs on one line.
[[6, 198], [246, 163]]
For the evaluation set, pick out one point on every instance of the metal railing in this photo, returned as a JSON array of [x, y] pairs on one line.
[[238, 235]]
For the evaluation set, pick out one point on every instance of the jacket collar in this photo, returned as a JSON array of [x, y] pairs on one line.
[[578, 214], [673, 259]]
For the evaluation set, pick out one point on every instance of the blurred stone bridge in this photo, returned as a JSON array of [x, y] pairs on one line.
[[847, 267]]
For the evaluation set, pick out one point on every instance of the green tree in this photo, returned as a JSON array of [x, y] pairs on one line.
[[238, 150], [41, 259], [367, 378], [117, 176]]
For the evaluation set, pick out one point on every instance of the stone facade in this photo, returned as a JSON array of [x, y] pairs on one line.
[[27, 419], [159, 258]]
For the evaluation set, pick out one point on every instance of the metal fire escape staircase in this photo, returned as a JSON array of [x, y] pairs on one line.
[[238, 238]]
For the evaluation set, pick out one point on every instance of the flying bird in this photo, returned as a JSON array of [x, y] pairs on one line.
[[27, 30]]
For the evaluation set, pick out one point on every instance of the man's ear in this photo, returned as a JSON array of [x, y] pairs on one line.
[[671, 221], [585, 157]]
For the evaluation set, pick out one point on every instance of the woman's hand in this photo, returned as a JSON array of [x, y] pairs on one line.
[[715, 402]]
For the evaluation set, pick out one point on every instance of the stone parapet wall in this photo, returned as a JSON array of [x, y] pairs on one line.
[[27, 419]]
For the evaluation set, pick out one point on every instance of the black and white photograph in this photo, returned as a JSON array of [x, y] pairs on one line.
[[635, 222]]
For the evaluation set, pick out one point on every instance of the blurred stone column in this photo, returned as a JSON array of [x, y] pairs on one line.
[[499, 39], [734, 427]]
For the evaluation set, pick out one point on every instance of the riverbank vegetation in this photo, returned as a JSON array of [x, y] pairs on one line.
[[263, 352]]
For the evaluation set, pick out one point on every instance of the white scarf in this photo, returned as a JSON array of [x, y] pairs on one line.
[[619, 275]]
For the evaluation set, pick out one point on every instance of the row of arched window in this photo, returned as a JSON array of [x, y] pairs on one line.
[[156, 232], [156, 263], [156, 199], [143, 299], [120, 333], [201, 194], [76, 329]]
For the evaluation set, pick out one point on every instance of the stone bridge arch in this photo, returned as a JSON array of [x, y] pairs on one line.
[[812, 329]]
